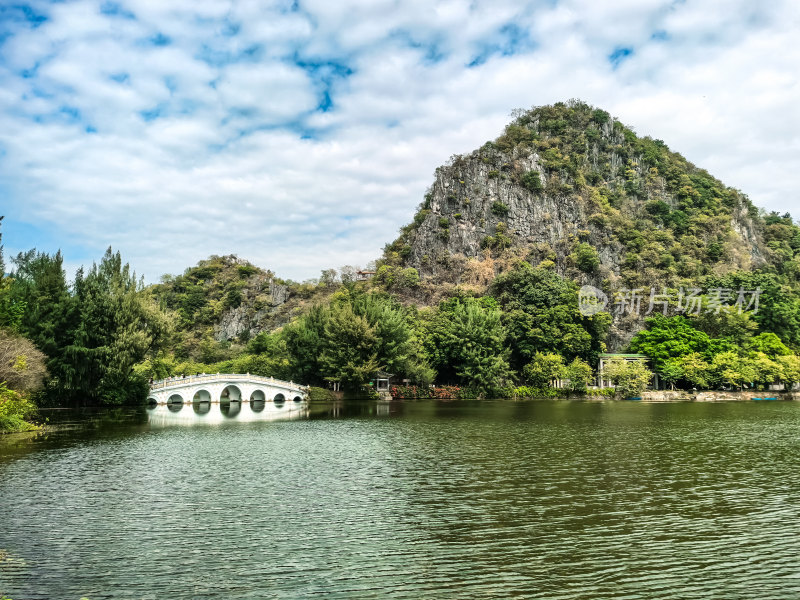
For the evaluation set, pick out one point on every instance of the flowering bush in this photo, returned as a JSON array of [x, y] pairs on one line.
[[408, 392]]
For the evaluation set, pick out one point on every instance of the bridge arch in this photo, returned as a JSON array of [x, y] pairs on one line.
[[298, 399], [230, 393], [175, 402], [258, 396], [202, 395], [279, 398]]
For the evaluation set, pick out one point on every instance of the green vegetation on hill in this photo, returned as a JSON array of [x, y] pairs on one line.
[[638, 213], [224, 301]]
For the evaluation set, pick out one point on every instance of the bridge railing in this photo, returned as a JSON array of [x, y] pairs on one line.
[[204, 377]]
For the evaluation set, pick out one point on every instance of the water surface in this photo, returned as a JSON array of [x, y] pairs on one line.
[[407, 500]]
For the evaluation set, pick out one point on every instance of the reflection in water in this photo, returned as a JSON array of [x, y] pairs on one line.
[[201, 408], [212, 413], [230, 409]]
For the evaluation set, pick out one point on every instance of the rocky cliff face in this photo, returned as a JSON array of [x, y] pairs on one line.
[[261, 304], [570, 185]]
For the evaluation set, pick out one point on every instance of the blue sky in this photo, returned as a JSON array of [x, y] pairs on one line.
[[302, 134]]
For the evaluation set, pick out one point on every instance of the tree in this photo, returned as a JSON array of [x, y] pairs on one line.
[[729, 323], [586, 257], [328, 277], [349, 352], [49, 311], [118, 325], [467, 340], [2, 262], [671, 371], [728, 368], [532, 181], [380, 332], [630, 377], [579, 374], [778, 306], [12, 310], [347, 274], [674, 337], [266, 355], [765, 370], [15, 409], [541, 315], [770, 344], [790, 369], [22, 366], [304, 342], [695, 369], [40, 285], [543, 369]]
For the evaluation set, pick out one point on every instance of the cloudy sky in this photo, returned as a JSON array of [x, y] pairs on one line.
[[302, 135]]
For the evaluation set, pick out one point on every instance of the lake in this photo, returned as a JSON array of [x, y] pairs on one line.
[[425, 499]]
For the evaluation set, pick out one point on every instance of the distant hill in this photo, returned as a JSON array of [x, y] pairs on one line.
[[573, 189], [227, 300]]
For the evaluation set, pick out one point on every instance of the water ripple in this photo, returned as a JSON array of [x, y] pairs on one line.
[[549, 500]]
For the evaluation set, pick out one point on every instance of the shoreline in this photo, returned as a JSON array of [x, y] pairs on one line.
[[657, 396]]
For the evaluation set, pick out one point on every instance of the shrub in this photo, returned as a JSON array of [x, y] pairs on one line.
[[526, 391], [318, 394], [15, 409], [233, 298], [409, 277], [499, 241], [499, 209], [532, 182], [586, 257], [579, 374], [22, 365], [610, 392], [246, 271], [444, 223], [386, 275], [413, 392]]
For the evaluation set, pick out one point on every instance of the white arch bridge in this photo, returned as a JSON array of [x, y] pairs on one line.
[[224, 388]]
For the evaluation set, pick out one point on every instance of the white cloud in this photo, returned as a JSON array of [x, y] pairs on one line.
[[210, 143]]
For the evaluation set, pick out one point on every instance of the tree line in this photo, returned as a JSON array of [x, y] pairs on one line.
[[100, 338]]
